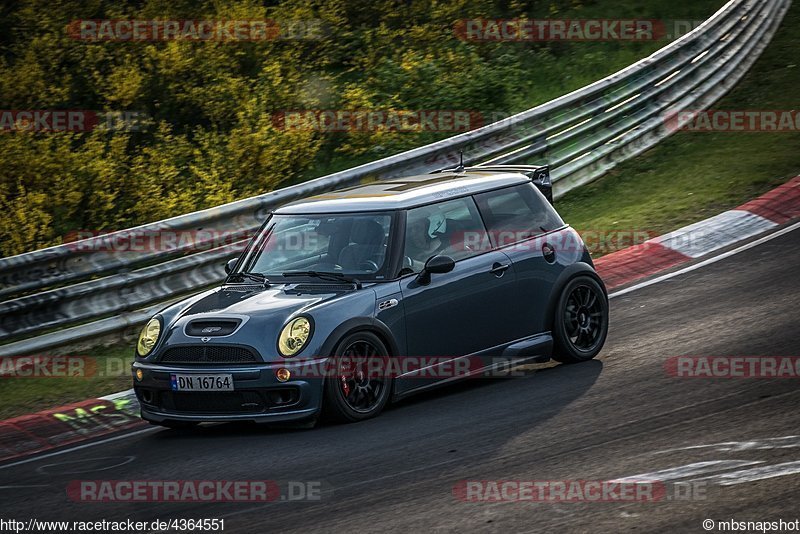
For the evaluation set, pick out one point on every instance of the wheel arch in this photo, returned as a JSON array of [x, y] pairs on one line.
[[360, 324], [568, 274]]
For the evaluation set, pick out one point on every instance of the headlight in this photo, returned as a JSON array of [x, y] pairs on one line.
[[148, 337], [294, 336]]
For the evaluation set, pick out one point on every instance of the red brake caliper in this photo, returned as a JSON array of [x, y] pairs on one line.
[[343, 370]]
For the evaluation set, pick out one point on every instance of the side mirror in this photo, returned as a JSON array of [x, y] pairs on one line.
[[435, 265], [230, 264]]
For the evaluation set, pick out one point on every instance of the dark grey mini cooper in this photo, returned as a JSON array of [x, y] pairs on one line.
[[348, 300]]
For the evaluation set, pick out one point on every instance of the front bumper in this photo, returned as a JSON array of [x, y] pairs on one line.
[[257, 395]]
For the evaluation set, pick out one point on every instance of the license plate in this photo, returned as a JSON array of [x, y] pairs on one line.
[[217, 382]]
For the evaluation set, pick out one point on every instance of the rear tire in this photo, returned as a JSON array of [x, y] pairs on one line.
[[357, 386], [580, 321]]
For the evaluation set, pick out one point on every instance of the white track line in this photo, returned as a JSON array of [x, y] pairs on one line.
[[79, 447], [698, 468], [709, 261], [752, 475], [703, 263]]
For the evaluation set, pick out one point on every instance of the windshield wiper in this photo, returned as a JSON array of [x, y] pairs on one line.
[[254, 277], [322, 275]]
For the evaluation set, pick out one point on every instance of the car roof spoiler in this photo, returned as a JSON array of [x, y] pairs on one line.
[[538, 174]]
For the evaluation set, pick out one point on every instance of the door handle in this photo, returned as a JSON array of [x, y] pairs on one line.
[[499, 269]]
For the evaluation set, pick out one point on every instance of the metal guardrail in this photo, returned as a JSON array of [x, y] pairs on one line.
[[580, 135]]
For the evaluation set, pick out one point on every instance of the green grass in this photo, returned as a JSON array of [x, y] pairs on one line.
[[685, 178], [694, 175], [27, 395]]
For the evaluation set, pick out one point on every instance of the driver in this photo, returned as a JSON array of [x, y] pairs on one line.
[[422, 237]]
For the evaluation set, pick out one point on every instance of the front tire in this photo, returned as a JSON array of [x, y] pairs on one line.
[[580, 321], [357, 386]]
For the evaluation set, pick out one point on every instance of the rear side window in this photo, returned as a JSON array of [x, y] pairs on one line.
[[516, 213]]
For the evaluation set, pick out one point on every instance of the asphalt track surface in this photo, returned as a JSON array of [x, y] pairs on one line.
[[619, 416]]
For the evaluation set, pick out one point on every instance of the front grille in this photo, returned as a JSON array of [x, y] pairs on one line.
[[218, 402], [212, 402], [202, 354]]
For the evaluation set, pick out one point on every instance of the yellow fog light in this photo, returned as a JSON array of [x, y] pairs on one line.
[[139, 374], [294, 336], [283, 374], [148, 337]]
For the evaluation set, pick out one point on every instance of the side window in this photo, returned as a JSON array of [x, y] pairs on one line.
[[517, 213], [453, 228]]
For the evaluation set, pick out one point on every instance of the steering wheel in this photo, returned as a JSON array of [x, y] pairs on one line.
[[326, 267], [368, 265]]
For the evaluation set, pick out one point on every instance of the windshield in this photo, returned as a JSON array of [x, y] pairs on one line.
[[352, 244]]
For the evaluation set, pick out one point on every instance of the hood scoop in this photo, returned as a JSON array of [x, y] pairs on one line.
[[212, 327]]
